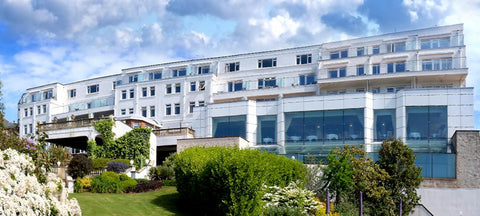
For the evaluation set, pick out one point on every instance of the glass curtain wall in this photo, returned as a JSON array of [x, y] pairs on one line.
[[384, 126], [229, 126], [427, 128], [266, 130], [317, 132]]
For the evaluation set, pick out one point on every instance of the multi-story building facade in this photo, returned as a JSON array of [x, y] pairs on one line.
[[298, 102]]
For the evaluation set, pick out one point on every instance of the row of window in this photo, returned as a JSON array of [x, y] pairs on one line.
[[393, 67], [269, 62], [394, 47], [168, 109], [28, 129], [42, 96], [270, 82], [40, 110]]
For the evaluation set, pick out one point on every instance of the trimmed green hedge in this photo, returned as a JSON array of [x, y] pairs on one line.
[[110, 182], [228, 181], [102, 162]]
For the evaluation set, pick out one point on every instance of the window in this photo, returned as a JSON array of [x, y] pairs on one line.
[[435, 43], [132, 93], [123, 111], [193, 86], [396, 67], [47, 94], [360, 51], [307, 79], [124, 94], [92, 89], [25, 129], [375, 90], [376, 49], [177, 109], [44, 108], [179, 72], [201, 85], [266, 63], [30, 126], [155, 75], [26, 112], [168, 109], [39, 110], [191, 106], [130, 111], [339, 72], [304, 59], [204, 70], [339, 54], [270, 82], [133, 78], [144, 111], [178, 88], [267, 129], [31, 111], [135, 125], [360, 70], [384, 124], [360, 90], [231, 67], [144, 92], [390, 90], [73, 93], [114, 84], [168, 89], [427, 123], [229, 126], [152, 111], [235, 86], [376, 69], [152, 91], [437, 64], [201, 103], [396, 47]]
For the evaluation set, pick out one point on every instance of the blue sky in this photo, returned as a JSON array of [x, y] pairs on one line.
[[44, 41]]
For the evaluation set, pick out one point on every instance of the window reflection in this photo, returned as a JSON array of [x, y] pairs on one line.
[[267, 129], [384, 124], [229, 126]]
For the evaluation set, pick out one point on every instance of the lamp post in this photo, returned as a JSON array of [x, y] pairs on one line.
[[133, 169]]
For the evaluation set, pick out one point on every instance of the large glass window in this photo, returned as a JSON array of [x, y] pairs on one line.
[[384, 123], [321, 131], [155, 75], [307, 79], [376, 69], [179, 72], [304, 59], [427, 128], [270, 82], [360, 70], [396, 67], [229, 126], [360, 51], [92, 89], [339, 72], [396, 47], [231, 67], [267, 129], [204, 70], [235, 86], [436, 43], [376, 49], [437, 64], [339, 54], [437, 165]]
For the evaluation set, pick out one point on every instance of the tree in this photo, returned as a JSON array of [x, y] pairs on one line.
[[404, 176], [339, 173]]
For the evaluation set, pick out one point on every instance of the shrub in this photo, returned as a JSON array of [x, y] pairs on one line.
[[141, 180], [80, 166], [162, 172], [282, 211], [118, 167], [148, 186], [228, 181], [127, 183], [169, 183], [107, 182], [82, 183], [291, 197], [100, 162]]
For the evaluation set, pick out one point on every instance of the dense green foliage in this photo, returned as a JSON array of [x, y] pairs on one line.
[[349, 171], [80, 166], [399, 162], [228, 181], [117, 167], [134, 145], [99, 163], [162, 172], [110, 182]]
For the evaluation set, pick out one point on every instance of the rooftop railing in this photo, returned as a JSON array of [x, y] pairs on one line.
[[174, 132]]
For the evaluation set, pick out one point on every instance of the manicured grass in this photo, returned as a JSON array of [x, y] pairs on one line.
[[160, 202]]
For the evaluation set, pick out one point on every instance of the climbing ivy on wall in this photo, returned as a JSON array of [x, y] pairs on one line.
[[134, 145]]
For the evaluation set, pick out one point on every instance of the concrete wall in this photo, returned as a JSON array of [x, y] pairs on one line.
[[451, 201], [182, 144]]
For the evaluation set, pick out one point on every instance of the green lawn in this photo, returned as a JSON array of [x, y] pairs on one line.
[[160, 202]]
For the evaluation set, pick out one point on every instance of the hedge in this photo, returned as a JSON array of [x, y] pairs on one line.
[[228, 181]]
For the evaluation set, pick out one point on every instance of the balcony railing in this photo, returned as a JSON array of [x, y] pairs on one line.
[[69, 124], [174, 132]]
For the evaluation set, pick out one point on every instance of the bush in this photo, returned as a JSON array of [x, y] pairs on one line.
[[100, 162], [161, 173], [291, 196], [127, 183], [169, 183], [107, 182], [118, 167], [82, 183], [228, 181], [141, 180], [283, 211], [148, 186], [80, 166]]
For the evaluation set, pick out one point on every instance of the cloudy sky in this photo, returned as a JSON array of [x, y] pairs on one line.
[[44, 41]]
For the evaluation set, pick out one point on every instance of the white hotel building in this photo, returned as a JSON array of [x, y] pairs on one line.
[[300, 101]]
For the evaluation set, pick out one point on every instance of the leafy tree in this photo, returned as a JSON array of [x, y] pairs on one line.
[[339, 173], [404, 176], [80, 166]]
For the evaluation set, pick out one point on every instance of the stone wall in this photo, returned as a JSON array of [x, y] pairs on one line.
[[182, 144], [467, 145]]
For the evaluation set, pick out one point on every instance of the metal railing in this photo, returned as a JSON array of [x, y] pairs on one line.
[[69, 124], [174, 132]]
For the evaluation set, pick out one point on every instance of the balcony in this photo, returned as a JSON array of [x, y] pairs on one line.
[[69, 124], [174, 132]]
